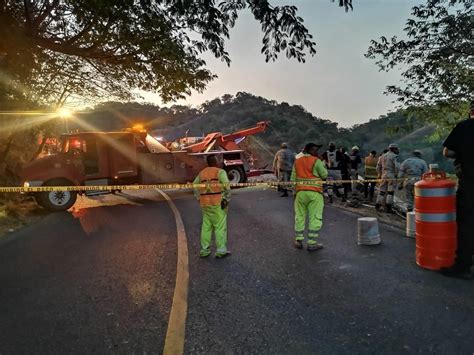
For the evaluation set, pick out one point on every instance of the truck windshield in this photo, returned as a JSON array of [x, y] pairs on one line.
[[72, 145], [64, 145]]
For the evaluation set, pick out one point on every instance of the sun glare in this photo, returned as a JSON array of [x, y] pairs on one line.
[[64, 112]]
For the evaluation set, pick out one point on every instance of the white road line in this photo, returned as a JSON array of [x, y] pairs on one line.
[[174, 342]]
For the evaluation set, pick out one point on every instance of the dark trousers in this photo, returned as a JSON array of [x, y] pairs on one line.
[[465, 221], [347, 185], [284, 176], [369, 189]]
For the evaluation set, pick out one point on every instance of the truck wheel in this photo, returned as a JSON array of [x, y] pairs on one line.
[[236, 174], [56, 201]]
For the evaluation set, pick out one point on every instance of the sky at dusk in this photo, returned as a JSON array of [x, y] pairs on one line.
[[338, 83]]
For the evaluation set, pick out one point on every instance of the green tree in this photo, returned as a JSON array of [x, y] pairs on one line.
[[436, 58], [95, 48]]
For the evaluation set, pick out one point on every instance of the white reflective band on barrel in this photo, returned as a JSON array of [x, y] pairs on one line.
[[435, 217], [440, 192]]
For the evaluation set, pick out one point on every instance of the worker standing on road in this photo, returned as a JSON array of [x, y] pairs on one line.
[[412, 168], [346, 171], [460, 146], [355, 162], [379, 166], [308, 173], [388, 170], [334, 160], [380, 163], [370, 167], [214, 199], [282, 166]]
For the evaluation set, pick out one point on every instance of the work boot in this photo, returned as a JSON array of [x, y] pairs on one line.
[[378, 207], [389, 209], [298, 244], [222, 255], [284, 194], [457, 272], [204, 253], [314, 247], [330, 199]]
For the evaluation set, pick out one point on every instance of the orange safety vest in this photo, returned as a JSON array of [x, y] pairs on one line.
[[211, 195], [304, 173]]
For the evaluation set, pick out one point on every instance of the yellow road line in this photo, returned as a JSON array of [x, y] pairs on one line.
[[174, 342]]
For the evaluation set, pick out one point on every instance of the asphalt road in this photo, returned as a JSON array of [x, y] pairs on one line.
[[101, 280]]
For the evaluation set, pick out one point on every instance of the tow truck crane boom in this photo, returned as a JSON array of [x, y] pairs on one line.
[[226, 141]]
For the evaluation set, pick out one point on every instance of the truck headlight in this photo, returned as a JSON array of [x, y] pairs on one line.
[[26, 184]]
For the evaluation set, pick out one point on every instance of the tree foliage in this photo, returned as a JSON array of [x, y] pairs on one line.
[[436, 58], [53, 50]]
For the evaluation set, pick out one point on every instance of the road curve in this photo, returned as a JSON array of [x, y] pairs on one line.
[[174, 342], [101, 280]]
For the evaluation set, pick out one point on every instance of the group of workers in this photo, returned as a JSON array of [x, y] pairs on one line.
[[309, 171], [393, 175], [343, 173]]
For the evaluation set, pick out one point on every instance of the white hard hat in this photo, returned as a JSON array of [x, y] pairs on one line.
[[355, 148]]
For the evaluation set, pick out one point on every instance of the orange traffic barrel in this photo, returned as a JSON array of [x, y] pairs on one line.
[[435, 216]]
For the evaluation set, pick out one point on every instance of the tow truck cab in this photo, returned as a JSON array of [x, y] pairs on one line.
[[117, 158]]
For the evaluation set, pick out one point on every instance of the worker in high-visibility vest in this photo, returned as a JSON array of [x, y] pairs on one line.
[[214, 199], [308, 173], [370, 163]]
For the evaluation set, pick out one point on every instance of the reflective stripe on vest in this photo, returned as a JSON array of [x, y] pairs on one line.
[[439, 192], [435, 217], [304, 174], [211, 194]]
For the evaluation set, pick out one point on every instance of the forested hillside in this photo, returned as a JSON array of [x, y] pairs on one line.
[[289, 123]]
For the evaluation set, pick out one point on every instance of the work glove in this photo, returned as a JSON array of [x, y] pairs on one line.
[[400, 187], [224, 204]]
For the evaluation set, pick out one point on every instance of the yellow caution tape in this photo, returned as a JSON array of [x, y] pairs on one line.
[[18, 189]]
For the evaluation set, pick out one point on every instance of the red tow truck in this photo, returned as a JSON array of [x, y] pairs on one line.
[[126, 158]]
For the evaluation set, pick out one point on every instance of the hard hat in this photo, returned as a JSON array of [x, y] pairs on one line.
[[284, 145], [355, 148], [393, 145], [332, 143], [417, 152]]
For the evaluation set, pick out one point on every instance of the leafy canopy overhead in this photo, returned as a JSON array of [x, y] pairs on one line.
[[436, 57], [96, 48]]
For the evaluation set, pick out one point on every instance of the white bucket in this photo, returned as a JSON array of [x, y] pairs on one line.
[[368, 231], [411, 225]]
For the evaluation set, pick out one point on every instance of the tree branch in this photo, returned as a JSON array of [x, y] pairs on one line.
[[49, 8]]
